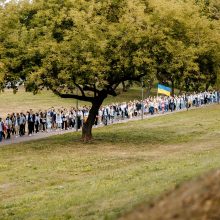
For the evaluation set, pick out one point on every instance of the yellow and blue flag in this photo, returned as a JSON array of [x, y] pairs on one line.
[[164, 90]]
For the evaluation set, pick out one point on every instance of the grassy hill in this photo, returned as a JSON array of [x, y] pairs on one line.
[[127, 164], [196, 199]]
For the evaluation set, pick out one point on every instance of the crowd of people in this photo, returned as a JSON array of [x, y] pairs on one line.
[[31, 123]]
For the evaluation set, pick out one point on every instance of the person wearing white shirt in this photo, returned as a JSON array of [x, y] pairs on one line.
[[37, 122], [8, 124], [112, 113], [59, 120], [16, 124], [100, 115], [22, 123]]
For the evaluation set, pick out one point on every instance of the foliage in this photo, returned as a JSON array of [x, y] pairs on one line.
[[185, 41], [94, 46], [82, 44]]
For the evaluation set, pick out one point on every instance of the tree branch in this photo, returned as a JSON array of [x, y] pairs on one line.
[[95, 90], [91, 89], [111, 91], [80, 88], [82, 98], [123, 79], [116, 85], [133, 78]]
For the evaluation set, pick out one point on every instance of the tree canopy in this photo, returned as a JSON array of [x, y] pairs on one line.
[[94, 46]]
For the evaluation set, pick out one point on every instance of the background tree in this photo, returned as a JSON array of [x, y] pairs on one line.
[[175, 55], [185, 45]]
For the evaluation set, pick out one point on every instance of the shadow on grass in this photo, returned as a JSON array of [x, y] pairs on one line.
[[170, 130], [119, 137]]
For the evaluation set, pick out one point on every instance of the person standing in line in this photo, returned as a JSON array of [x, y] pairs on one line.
[[124, 110], [218, 96], [59, 121], [162, 106], [28, 123], [129, 111], [100, 115], [67, 114], [54, 125], [105, 116], [12, 117], [80, 118], [71, 119], [8, 124], [182, 101], [52, 113], [63, 120], [112, 114], [49, 121], [166, 104], [31, 120], [22, 124], [151, 107], [178, 103], [74, 118], [172, 105], [1, 129], [17, 124], [43, 121], [190, 100], [37, 122]]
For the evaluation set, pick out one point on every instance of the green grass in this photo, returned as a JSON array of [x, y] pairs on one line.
[[23, 101], [127, 164]]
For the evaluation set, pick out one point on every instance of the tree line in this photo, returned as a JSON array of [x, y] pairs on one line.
[[85, 49]]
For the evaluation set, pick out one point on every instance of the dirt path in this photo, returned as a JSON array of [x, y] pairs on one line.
[[42, 135]]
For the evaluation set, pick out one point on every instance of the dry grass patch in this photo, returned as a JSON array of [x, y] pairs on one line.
[[23, 101]]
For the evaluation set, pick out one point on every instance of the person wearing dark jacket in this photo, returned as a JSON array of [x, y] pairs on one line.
[[1, 129], [31, 121]]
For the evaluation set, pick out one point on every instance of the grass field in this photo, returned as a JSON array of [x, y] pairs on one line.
[[127, 164], [23, 101]]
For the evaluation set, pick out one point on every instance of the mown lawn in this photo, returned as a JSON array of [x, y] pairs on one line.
[[127, 164]]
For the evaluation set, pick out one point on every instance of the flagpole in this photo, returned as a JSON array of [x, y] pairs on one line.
[[142, 98], [77, 107], [157, 91]]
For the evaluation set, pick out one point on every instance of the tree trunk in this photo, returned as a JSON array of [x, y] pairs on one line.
[[173, 89], [87, 126], [180, 90], [149, 87], [124, 87], [207, 86]]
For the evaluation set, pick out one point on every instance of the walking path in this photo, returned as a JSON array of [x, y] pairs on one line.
[[42, 135]]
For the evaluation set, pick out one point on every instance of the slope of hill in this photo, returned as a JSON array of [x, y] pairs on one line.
[[198, 199], [125, 165]]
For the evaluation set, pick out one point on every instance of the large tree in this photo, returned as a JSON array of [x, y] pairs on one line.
[[89, 46]]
